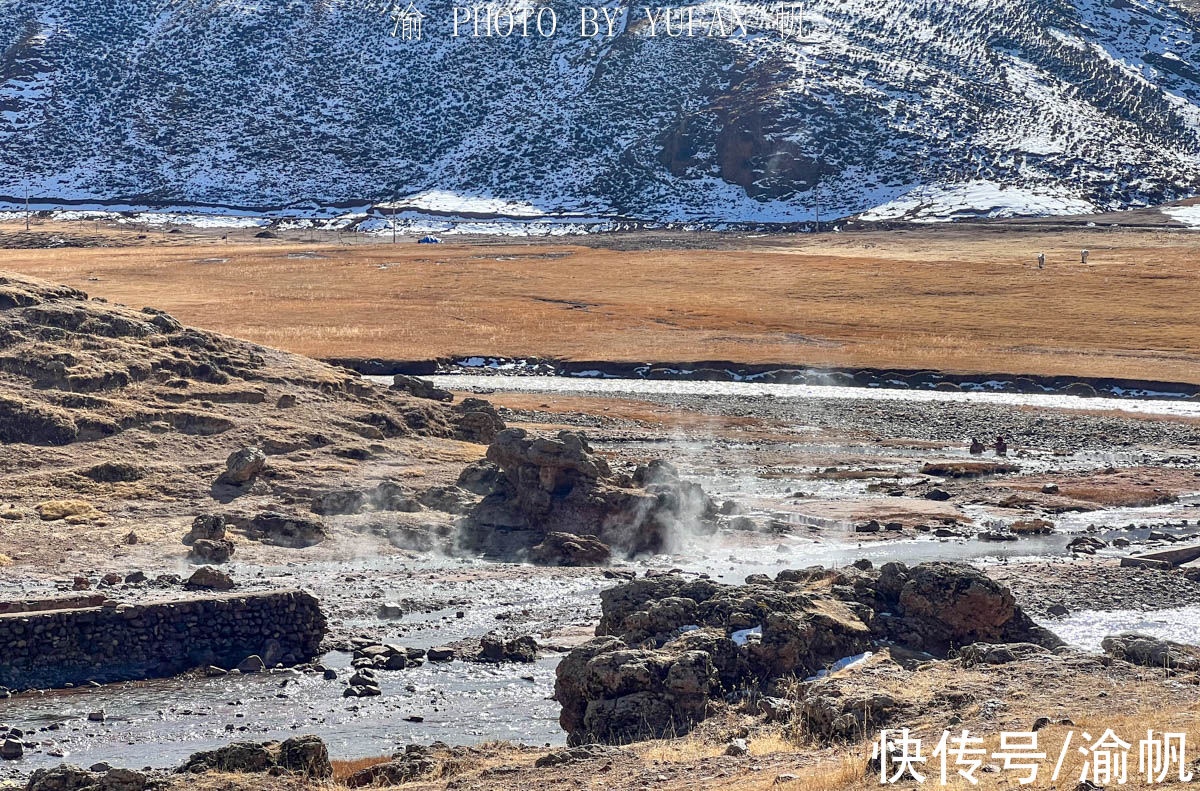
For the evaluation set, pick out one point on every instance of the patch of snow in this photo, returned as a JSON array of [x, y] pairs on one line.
[[842, 664], [1086, 628], [1188, 215], [975, 199], [742, 635]]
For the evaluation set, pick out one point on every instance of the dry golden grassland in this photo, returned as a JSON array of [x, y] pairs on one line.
[[951, 299]]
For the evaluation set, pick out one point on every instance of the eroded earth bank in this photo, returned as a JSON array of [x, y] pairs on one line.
[[226, 566]]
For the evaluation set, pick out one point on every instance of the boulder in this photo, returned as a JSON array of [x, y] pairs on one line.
[[339, 501], [243, 466], [1086, 545], [11, 749], [208, 527], [614, 694], [421, 388], [448, 499], [302, 755], [943, 605], [479, 477], [413, 763], [208, 578], [494, 647], [62, 778], [114, 472], [737, 748], [284, 530], [101, 777], [839, 714], [362, 691], [390, 610], [476, 420], [239, 757], [305, 755], [252, 664], [206, 551], [565, 549], [1142, 649], [120, 779]]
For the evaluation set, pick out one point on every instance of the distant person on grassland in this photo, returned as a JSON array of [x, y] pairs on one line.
[[1083, 254], [1001, 446], [976, 446], [1041, 260]]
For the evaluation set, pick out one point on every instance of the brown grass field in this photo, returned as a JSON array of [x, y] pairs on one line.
[[957, 299]]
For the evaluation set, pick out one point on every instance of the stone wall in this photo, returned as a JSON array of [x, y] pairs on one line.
[[59, 603], [122, 642]]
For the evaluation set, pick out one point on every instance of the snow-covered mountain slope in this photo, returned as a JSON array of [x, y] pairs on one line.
[[930, 108]]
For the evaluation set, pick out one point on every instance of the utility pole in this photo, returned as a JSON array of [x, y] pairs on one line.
[[393, 219], [27, 212]]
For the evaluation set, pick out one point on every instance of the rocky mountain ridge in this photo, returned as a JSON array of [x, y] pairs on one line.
[[905, 109]]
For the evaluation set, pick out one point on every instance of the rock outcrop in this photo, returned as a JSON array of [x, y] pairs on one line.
[[303, 755], [71, 778], [243, 466], [1142, 649], [670, 648], [565, 549], [414, 762], [561, 486], [498, 647], [282, 530], [139, 405], [421, 388], [205, 527], [207, 551]]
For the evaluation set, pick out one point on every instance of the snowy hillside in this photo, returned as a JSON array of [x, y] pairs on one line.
[[903, 108]]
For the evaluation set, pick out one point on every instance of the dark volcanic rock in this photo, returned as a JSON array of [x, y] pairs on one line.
[[565, 549], [208, 551], [494, 647], [670, 648], [476, 420], [1141, 649], [207, 527], [943, 605], [414, 762], [211, 579], [560, 485], [304, 755], [283, 530], [421, 388], [479, 477], [72, 778], [243, 466]]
